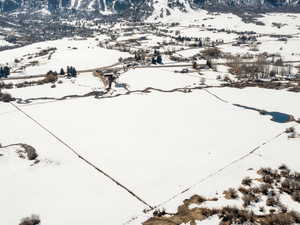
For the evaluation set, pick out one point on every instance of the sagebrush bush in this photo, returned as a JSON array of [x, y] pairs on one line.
[[272, 201], [296, 195], [264, 188], [233, 215], [278, 219], [283, 167], [249, 198], [243, 190], [231, 193], [265, 171], [247, 181]]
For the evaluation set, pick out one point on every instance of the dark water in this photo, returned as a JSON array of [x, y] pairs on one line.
[[277, 117]]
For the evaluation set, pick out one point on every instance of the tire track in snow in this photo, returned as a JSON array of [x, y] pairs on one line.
[[216, 96]]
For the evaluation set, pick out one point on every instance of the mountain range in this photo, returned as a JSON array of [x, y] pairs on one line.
[[146, 6]]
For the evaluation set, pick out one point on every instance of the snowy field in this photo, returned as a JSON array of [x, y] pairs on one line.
[[156, 143], [85, 54], [234, 22]]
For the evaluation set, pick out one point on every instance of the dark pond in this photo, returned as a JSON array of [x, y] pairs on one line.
[[277, 117]]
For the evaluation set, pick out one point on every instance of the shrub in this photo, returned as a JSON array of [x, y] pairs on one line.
[[271, 201], [290, 185], [255, 190], [247, 181], [296, 176], [296, 196], [30, 151], [283, 208], [50, 78], [32, 220], [6, 97], [278, 219], [231, 193], [285, 173], [283, 166], [285, 184], [287, 130], [197, 199], [295, 215], [265, 171], [268, 179], [249, 198], [233, 215], [212, 53], [159, 213], [202, 81], [269, 175], [243, 190]]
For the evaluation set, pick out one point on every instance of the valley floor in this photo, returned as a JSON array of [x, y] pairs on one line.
[[164, 138]]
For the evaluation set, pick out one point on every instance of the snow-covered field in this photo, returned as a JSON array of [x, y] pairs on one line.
[[156, 143], [84, 54], [234, 22]]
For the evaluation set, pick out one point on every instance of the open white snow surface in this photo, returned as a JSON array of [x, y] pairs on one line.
[[228, 21], [157, 144], [79, 52]]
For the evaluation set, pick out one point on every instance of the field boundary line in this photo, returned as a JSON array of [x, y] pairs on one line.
[[82, 158]]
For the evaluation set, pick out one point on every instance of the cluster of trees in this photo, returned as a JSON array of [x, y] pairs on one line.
[[4, 72], [182, 39], [259, 68], [245, 38], [156, 59], [71, 71], [211, 53], [139, 56]]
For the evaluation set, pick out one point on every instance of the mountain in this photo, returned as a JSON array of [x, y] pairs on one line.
[[104, 6], [146, 7]]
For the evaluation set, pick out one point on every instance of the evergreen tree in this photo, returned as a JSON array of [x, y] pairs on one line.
[[74, 74], [209, 63], [200, 44], [1, 72], [159, 59], [4, 72], [153, 61], [68, 71], [62, 72]]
